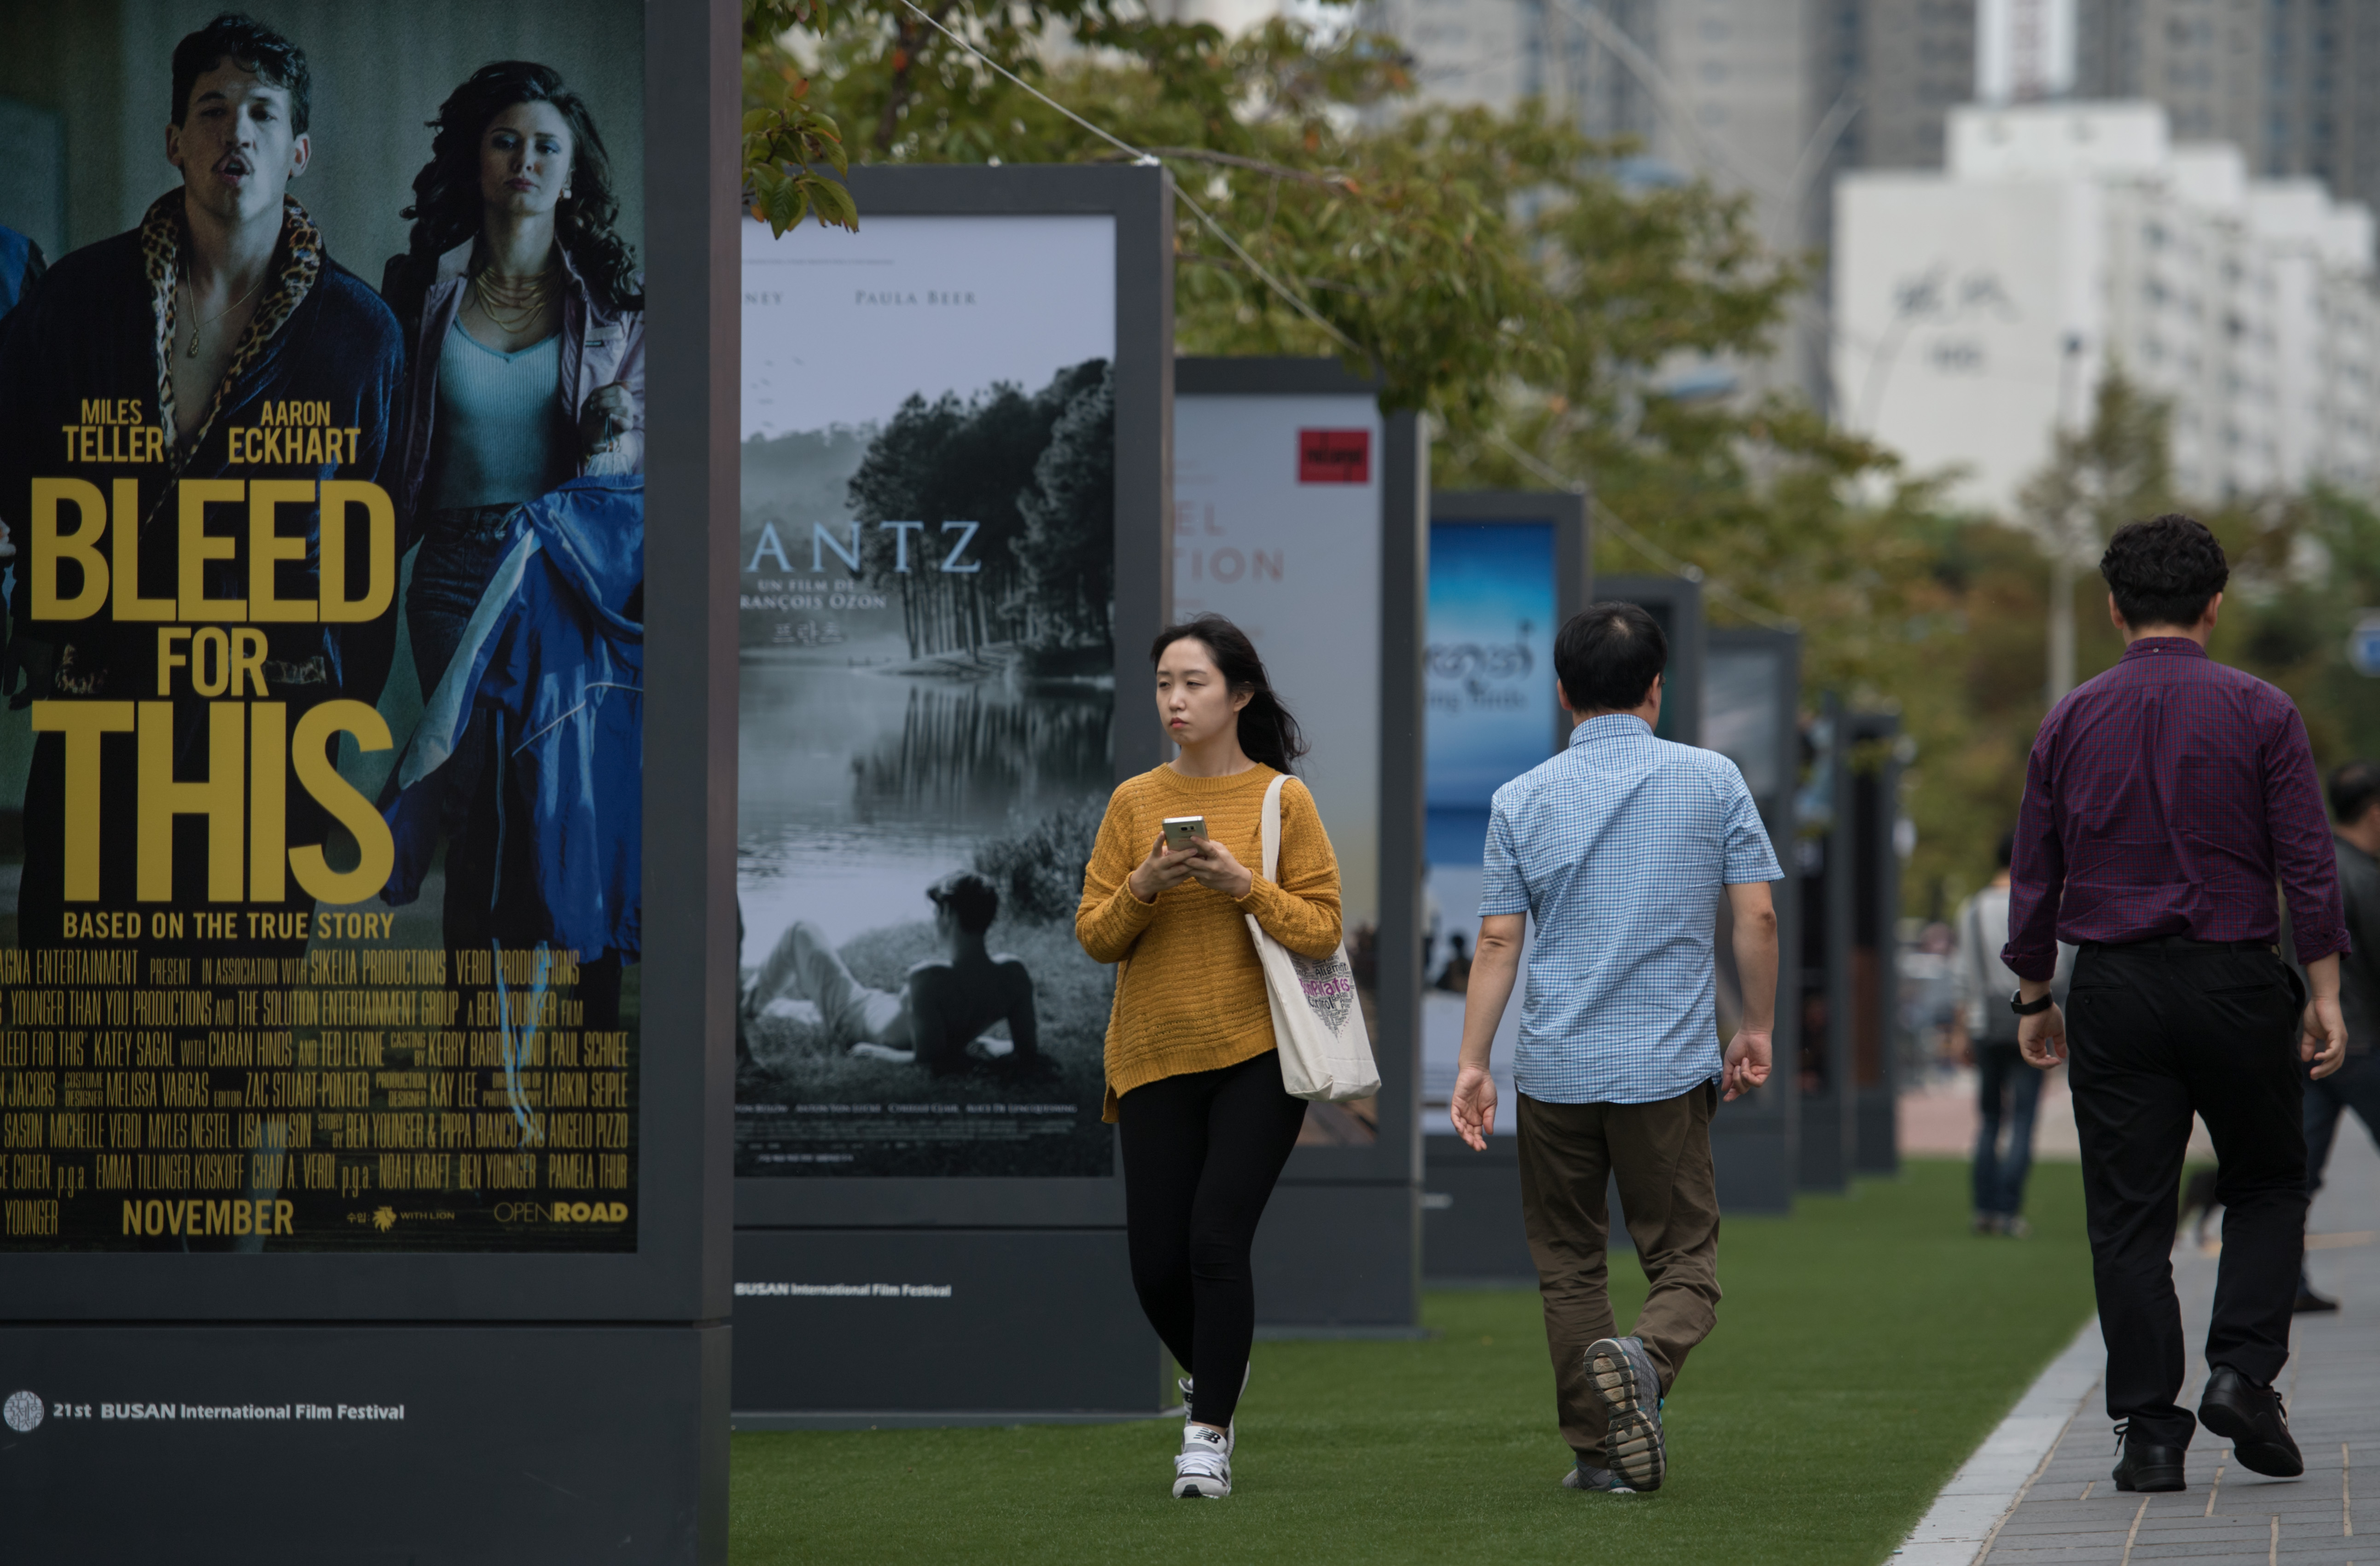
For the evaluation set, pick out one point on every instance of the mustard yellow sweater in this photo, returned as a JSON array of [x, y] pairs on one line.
[[1191, 996]]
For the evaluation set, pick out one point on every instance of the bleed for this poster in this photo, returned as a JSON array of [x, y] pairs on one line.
[[248, 555]]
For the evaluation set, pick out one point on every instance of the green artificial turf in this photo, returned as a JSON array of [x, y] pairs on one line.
[[1865, 1347]]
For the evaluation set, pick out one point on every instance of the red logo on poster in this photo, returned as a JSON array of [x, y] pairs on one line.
[[1334, 456]]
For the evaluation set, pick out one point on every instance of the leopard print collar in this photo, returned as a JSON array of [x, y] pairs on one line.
[[163, 234]]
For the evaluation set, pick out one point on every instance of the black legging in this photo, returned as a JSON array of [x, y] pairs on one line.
[[1200, 1156]]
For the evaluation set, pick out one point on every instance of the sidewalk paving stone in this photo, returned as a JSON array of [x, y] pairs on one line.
[[2069, 1513]]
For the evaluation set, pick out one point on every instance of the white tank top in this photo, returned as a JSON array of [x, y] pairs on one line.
[[501, 434]]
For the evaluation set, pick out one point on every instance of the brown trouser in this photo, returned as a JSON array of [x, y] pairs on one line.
[[1660, 1153]]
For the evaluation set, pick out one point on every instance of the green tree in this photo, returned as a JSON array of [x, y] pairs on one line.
[[1070, 521], [787, 138], [984, 511], [1510, 276]]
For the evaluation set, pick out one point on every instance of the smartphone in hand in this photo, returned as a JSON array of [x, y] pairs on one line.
[[1179, 829]]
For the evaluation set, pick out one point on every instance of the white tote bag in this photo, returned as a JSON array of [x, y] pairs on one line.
[[1318, 1023]]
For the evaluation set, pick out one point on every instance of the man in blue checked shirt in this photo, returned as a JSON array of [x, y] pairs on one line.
[[1619, 849]]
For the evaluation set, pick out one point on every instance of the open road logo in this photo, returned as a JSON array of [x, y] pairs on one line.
[[21, 1412], [561, 1213]]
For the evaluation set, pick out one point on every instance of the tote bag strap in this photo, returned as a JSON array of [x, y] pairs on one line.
[[1272, 828]]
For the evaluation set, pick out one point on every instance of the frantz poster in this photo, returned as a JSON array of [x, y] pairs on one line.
[[321, 765], [927, 695]]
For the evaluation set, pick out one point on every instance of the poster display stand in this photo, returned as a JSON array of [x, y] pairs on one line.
[[1297, 514], [1872, 825], [956, 432], [1676, 603], [1751, 712], [1829, 896], [1507, 568], [394, 1173]]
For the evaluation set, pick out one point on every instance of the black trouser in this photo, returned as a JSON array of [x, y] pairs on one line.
[[2159, 1030], [2354, 1086], [1201, 1152]]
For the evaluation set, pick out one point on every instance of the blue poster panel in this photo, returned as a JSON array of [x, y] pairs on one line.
[[1492, 715], [322, 456], [1491, 671], [927, 695]]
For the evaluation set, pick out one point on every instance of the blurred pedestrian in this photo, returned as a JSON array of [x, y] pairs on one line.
[[2162, 801], [1456, 975], [2355, 839], [1193, 1075], [2007, 1091], [1619, 848]]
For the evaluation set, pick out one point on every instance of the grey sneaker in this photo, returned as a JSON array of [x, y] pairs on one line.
[[1601, 1480], [1622, 1376]]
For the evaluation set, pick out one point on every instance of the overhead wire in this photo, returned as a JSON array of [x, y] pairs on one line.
[[1295, 300], [1609, 519]]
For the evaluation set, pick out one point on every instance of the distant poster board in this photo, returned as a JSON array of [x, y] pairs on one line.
[[1277, 526], [927, 694], [1493, 713], [1504, 570]]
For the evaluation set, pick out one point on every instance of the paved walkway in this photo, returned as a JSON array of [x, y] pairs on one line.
[[1938, 1119], [2068, 1513]]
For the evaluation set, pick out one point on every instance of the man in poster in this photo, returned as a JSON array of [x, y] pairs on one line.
[[179, 406]]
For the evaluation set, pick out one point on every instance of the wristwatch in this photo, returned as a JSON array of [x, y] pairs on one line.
[[2024, 1008]]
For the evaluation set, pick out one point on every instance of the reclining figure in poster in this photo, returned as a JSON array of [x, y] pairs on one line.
[[946, 1004]]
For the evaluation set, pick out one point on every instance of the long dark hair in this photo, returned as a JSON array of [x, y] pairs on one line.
[[446, 208], [1268, 733]]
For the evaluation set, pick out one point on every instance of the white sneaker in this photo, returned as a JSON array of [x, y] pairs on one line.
[[1203, 1471], [1231, 1433]]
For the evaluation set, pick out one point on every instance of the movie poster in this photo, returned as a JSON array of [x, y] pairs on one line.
[[927, 695], [1492, 714], [322, 456], [1277, 526]]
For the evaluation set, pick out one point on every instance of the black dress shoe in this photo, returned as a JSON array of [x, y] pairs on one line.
[[2147, 1467], [2308, 1301], [2249, 1417]]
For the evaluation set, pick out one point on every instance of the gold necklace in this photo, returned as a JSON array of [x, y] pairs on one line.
[[513, 304], [198, 327]]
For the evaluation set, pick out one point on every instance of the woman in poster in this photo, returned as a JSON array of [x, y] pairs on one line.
[[525, 330], [1194, 1073], [524, 437]]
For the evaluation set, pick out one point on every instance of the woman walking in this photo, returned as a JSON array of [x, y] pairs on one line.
[[1193, 1073]]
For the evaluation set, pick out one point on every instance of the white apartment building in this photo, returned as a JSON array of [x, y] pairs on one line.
[[1975, 309]]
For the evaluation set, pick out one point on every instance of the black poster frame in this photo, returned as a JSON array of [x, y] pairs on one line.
[[1874, 821], [1471, 1210], [679, 1272], [1141, 201], [1574, 542], [1339, 1252], [1765, 1127], [1830, 1120], [1681, 699], [1394, 1156]]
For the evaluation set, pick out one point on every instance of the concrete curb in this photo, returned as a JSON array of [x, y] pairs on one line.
[[1969, 1511]]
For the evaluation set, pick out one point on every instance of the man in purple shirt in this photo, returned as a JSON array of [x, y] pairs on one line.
[[2163, 801]]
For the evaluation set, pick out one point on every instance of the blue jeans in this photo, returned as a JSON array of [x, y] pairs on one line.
[[2006, 1087], [459, 554]]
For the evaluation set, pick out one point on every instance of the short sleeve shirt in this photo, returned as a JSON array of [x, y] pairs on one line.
[[1620, 849]]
